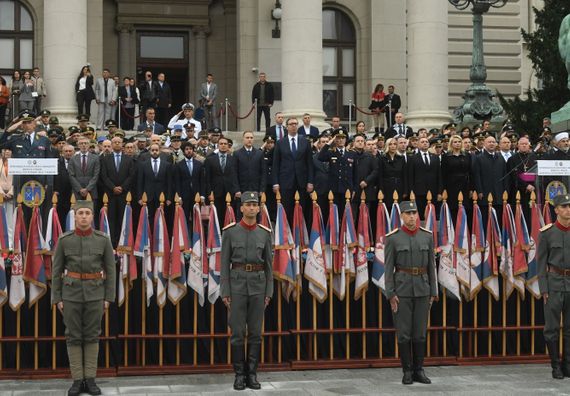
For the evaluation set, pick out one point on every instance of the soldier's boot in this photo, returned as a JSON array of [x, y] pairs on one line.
[[90, 355], [406, 358], [419, 349], [566, 358], [552, 347], [253, 352], [238, 361], [75, 355]]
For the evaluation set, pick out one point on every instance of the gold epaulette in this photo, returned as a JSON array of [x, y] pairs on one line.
[[426, 230], [264, 227], [546, 227], [229, 226], [392, 232]]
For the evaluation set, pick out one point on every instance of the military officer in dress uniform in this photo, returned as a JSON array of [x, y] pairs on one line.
[[411, 287], [83, 285], [554, 284], [246, 287]]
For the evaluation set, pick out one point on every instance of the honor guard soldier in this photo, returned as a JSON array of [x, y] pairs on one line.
[[246, 287], [83, 286], [411, 287], [554, 284]]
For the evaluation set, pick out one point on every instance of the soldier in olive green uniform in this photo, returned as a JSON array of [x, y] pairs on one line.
[[554, 284], [246, 287], [83, 285], [411, 287]]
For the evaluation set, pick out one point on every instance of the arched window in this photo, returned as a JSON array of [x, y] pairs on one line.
[[16, 38], [339, 62]]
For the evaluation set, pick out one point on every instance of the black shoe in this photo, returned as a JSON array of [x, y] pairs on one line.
[[419, 349], [238, 357], [239, 382], [407, 379], [552, 347], [253, 352], [420, 376], [91, 387], [76, 388], [406, 359]]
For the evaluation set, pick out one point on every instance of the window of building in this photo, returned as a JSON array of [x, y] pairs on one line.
[[16, 38], [339, 63]]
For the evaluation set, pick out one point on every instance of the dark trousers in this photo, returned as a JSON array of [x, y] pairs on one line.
[[265, 110], [246, 310], [115, 213], [163, 115], [83, 104], [3, 116], [411, 319], [127, 118], [82, 321]]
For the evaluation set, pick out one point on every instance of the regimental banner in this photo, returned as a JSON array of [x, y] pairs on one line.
[[32, 166]]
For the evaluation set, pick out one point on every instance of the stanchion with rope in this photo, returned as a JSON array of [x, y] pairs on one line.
[[240, 117], [118, 112], [226, 105], [350, 104], [256, 113]]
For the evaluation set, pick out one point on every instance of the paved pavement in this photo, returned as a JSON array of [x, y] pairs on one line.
[[467, 380]]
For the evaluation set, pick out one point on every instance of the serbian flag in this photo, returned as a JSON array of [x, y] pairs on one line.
[[395, 216], [180, 245], [70, 220], [53, 232], [431, 224], [461, 252], [104, 222], [300, 242], [214, 249], [490, 269], [315, 266], [546, 213], [143, 250], [283, 265], [363, 247], [521, 245], [230, 217], [532, 274], [4, 247], [34, 268], [347, 242], [17, 286], [447, 273], [477, 249], [198, 268], [382, 229], [161, 255], [127, 259], [508, 238], [331, 237], [264, 219]]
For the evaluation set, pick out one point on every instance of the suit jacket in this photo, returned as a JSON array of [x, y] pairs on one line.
[[89, 93], [269, 97], [88, 179], [321, 175], [40, 86], [100, 90], [112, 178], [250, 170], [314, 131], [488, 175], [394, 131], [164, 95], [367, 170], [293, 172], [158, 129], [186, 184], [423, 178], [149, 93], [153, 185], [221, 182], [62, 182], [273, 131], [395, 102], [122, 92], [211, 93]]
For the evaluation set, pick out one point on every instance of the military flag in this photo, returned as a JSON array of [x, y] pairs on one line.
[[214, 249], [532, 275], [490, 269], [382, 229], [461, 252], [70, 220], [180, 244], [521, 246], [300, 242], [447, 273], [17, 286], [477, 250], [283, 265], [395, 216], [315, 265], [362, 249], [53, 232], [4, 248], [34, 268], [127, 259], [198, 268], [161, 255], [345, 266], [143, 249], [331, 237]]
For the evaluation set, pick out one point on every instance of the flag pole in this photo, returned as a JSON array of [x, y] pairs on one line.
[[490, 302], [212, 305], [380, 295], [107, 353], [53, 309], [315, 338], [18, 312], [143, 306], [396, 352], [279, 303], [504, 341], [347, 275], [331, 295], [263, 200], [363, 297], [298, 294], [532, 300], [460, 204], [126, 303], [444, 300], [428, 349], [36, 309], [475, 302], [161, 307], [518, 202], [229, 349]]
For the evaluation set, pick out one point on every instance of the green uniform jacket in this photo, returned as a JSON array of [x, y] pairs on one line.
[[83, 254], [242, 246], [553, 249], [406, 251]]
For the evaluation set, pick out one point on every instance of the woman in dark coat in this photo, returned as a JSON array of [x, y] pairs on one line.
[[84, 93], [456, 171], [392, 170]]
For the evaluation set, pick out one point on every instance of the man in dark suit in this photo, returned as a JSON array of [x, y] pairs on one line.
[[117, 174], [322, 177], [399, 128], [293, 169], [84, 169], [164, 101], [149, 93], [129, 99], [424, 174], [189, 178], [367, 176], [250, 167], [306, 129], [62, 184], [394, 103], [278, 130], [263, 92], [489, 170], [151, 124], [221, 176]]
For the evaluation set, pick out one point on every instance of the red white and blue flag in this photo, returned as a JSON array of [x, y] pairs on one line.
[[230, 217], [214, 249], [382, 229], [546, 214], [431, 224], [520, 248], [70, 220], [104, 222], [283, 265], [143, 249], [447, 274], [508, 238], [4, 247], [364, 246], [315, 266], [461, 252], [180, 245], [198, 268], [395, 216], [532, 275], [331, 238], [127, 259], [161, 255], [490, 270], [347, 242], [53, 232], [17, 286], [477, 250], [300, 242], [264, 219], [34, 268]]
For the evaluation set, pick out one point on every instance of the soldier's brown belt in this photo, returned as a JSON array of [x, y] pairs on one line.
[[559, 271], [248, 267], [412, 270], [84, 276]]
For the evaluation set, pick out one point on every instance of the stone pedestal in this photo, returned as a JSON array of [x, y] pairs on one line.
[[65, 53], [561, 119]]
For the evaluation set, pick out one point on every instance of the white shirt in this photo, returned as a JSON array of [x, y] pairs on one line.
[[82, 82], [157, 164], [506, 155]]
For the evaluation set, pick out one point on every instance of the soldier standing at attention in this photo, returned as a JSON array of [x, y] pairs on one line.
[[83, 285], [554, 283], [411, 287], [246, 287]]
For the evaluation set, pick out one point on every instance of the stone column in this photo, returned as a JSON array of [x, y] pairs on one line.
[[201, 56], [428, 91], [302, 60], [65, 52], [124, 31]]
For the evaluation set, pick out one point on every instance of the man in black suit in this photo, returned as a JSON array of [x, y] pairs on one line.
[[250, 167], [306, 129], [129, 99], [489, 174], [164, 101], [221, 176], [394, 103], [424, 174], [293, 169], [263, 92], [150, 123], [278, 130], [149, 93], [62, 184], [367, 175], [117, 175], [399, 128], [189, 178]]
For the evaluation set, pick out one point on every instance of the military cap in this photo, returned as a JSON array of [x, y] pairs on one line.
[[53, 120], [178, 127], [268, 138], [101, 139], [215, 131], [326, 132], [187, 106], [340, 131], [82, 118], [88, 130], [175, 139], [189, 125], [249, 196], [408, 206], [435, 140], [120, 133], [230, 142], [60, 138], [451, 125], [45, 113], [83, 204], [562, 199], [508, 128], [546, 130], [433, 131], [111, 123], [26, 115], [141, 137], [57, 129], [203, 135], [73, 129], [52, 133]]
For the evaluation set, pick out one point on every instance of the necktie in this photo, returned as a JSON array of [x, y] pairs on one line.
[[341, 152], [248, 152], [189, 164], [83, 163], [293, 147], [155, 167], [280, 132], [426, 159], [106, 89], [31, 140], [400, 133], [117, 161], [66, 164], [223, 161]]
